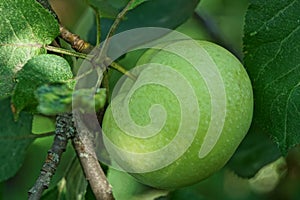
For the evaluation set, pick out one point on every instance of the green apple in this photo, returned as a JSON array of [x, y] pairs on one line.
[[184, 116]]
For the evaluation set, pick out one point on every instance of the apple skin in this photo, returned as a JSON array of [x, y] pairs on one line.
[[189, 168]]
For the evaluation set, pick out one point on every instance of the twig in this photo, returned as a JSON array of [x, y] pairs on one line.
[[75, 41], [83, 143], [118, 19], [121, 69], [113, 65], [93, 171], [82, 46], [100, 59], [63, 131], [113, 28], [98, 19], [66, 52]]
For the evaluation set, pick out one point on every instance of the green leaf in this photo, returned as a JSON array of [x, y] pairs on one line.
[[224, 185], [106, 9], [1, 189], [42, 124], [76, 182], [272, 46], [55, 193], [126, 187], [159, 14], [111, 8], [25, 26], [255, 151], [37, 71], [154, 13], [136, 3], [71, 187], [59, 98], [15, 137]]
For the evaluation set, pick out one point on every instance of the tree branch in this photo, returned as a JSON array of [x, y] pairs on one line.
[[98, 20], [92, 169], [63, 131], [66, 52], [75, 41], [82, 46]]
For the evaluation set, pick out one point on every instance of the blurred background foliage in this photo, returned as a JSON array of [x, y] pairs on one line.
[[280, 180]]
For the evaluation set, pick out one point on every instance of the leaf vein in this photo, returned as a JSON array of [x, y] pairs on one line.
[[28, 24], [276, 15], [37, 45], [286, 113], [277, 52], [282, 76]]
